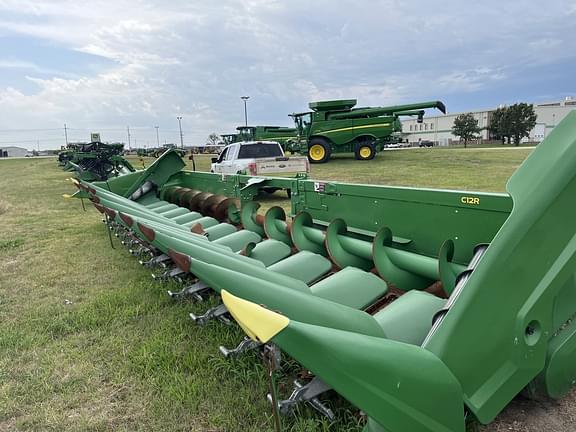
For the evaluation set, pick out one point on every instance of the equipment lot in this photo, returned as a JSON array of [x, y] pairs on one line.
[[89, 341]]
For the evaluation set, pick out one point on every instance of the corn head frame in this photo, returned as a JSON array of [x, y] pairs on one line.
[[423, 308]]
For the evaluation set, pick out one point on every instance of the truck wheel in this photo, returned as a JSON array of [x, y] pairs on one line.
[[365, 150], [318, 150]]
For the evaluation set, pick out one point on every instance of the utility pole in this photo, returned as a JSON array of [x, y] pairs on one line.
[[66, 134], [157, 137], [245, 99], [128, 130], [182, 144]]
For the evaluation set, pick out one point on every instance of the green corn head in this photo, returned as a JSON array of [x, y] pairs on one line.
[[420, 322], [95, 161]]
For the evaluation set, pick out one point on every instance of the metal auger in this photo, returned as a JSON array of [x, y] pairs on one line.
[[247, 344], [219, 312], [306, 393]]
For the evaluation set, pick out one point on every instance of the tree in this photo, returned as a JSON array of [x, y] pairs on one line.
[[513, 123], [522, 120], [213, 139], [465, 127], [499, 124]]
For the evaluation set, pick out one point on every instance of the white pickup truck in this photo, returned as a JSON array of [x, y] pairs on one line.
[[256, 158]]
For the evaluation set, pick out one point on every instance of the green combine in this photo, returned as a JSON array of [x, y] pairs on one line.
[[282, 135], [425, 309], [285, 136], [337, 127]]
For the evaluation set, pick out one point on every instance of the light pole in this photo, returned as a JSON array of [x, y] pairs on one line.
[[245, 99], [180, 127], [157, 137]]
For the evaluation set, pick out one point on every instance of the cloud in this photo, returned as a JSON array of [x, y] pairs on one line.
[[196, 59], [33, 67]]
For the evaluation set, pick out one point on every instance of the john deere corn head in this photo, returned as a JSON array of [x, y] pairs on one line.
[[95, 161], [423, 308]]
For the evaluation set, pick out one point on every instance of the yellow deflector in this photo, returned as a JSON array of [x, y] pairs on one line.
[[259, 323]]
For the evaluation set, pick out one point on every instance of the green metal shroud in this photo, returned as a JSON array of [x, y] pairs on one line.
[[508, 324], [528, 273]]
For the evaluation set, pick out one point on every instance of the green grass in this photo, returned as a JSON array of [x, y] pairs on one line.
[[88, 341], [480, 169]]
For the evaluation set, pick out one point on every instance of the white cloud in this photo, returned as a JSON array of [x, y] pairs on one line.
[[196, 58]]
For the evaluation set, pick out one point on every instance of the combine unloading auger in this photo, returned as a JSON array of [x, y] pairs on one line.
[[420, 307]]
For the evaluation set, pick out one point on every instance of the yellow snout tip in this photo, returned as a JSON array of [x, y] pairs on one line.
[[259, 323]]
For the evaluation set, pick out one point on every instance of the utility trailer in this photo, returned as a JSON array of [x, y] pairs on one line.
[[337, 127], [422, 323]]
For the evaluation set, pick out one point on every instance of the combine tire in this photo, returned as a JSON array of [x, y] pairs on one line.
[[365, 150], [318, 151]]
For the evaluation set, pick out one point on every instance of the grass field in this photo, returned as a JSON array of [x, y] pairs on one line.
[[468, 169], [88, 341]]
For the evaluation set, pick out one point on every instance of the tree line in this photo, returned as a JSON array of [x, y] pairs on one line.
[[508, 124]]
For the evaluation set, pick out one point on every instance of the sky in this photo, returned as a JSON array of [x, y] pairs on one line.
[[104, 65]]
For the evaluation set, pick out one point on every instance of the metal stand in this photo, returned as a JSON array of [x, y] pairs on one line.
[[219, 312], [306, 393], [195, 290], [247, 344]]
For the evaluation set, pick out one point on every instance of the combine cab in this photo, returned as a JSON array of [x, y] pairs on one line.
[[337, 127], [422, 323]]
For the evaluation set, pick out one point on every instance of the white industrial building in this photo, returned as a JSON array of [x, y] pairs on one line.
[[438, 129], [11, 151]]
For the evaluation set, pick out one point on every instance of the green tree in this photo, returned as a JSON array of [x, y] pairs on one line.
[[522, 119], [499, 124], [513, 123], [465, 127]]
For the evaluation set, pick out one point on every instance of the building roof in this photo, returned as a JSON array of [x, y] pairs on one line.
[[13, 148]]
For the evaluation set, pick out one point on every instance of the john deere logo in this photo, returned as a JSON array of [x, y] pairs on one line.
[[470, 200]]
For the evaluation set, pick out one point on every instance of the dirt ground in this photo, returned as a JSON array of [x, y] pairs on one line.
[[523, 415]]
